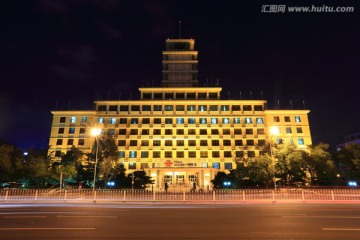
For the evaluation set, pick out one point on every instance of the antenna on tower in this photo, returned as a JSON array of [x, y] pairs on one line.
[[179, 29]]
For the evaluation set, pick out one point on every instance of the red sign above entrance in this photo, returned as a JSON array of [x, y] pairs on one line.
[[168, 163]]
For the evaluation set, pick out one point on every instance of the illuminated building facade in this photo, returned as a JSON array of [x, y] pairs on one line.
[[180, 133]]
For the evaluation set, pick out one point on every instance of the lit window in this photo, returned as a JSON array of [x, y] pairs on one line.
[[134, 121], [83, 119], [297, 119], [288, 130], [132, 165], [225, 121], [132, 154], [237, 120], [180, 120], [202, 120], [228, 165], [191, 120], [216, 165], [301, 141], [214, 120], [168, 120], [248, 120], [112, 120], [122, 154], [100, 120], [169, 107], [191, 108], [202, 108], [259, 120], [73, 120], [224, 107]]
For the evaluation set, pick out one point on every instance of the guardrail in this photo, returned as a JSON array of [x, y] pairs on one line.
[[238, 195]]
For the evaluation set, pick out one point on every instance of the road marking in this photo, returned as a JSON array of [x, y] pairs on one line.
[[84, 216], [341, 229], [24, 217], [341, 217], [12, 229]]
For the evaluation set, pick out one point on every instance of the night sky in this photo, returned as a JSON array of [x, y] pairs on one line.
[[58, 54]]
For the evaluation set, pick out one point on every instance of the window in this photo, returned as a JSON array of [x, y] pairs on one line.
[[81, 142], [299, 130], [61, 131], [144, 165], [121, 143], [261, 142], [82, 130], [251, 153], [144, 142], [235, 107], [260, 131], [192, 154], [133, 143], [247, 108], [133, 132], [215, 154], [112, 120], [101, 120], [248, 120], [169, 96], [102, 108], [191, 108], [215, 142], [168, 131], [180, 108], [203, 143], [191, 132], [123, 120], [301, 141], [132, 165], [191, 121], [157, 131], [168, 154], [59, 142], [250, 142], [146, 95], [202, 95], [216, 165], [146, 120], [179, 120], [158, 96], [225, 120], [179, 131], [62, 119], [238, 142], [212, 95], [135, 108], [169, 107], [227, 142], [276, 119], [132, 154], [287, 119], [213, 107], [83, 119], [203, 131], [134, 120], [202, 120], [288, 129], [124, 108], [157, 120], [203, 154], [192, 143], [214, 131], [214, 121], [156, 154], [179, 142], [122, 154], [259, 120], [258, 107], [70, 142], [237, 131], [226, 131], [146, 108], [144, 154], [202, 108], [224, 107], [239, 154], [249, 131], [228, 165], [156, 143], [122, 131], [237, 120], [297, 119], [145, 132], [168, 120], [111, 131], [180, 154], [157, 107], [168, 143], [72, 119], [190, 96]]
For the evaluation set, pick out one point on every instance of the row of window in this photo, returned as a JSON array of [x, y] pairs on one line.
[[180, 108], [134, 165], [287, 119]]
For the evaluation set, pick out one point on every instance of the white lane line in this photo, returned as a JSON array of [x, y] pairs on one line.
[[341, 229], [84, 216], [24, 217], [12, 229], [304, 216]]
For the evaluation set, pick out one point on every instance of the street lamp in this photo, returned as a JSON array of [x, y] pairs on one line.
[[273, 131], [95, 132]]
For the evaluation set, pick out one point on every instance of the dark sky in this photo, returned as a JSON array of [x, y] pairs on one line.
[[58, 54]]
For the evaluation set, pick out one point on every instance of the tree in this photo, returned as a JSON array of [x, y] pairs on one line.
[[139, 178], [348, 160], [7, 168]]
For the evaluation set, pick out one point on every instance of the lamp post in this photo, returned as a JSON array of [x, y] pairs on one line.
[[95, 132], [273, 131]]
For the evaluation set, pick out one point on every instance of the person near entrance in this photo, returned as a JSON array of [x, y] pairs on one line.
[[166, 186]]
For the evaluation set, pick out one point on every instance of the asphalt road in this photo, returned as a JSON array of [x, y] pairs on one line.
[[187, 221]]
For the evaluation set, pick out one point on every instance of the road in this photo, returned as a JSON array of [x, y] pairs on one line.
[[183, 221]]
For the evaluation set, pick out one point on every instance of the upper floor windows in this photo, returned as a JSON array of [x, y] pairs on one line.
[[72, 119], [297, 119]]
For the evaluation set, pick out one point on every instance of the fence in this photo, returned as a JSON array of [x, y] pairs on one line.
[[221, 196]]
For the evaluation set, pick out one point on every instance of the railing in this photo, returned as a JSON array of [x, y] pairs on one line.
[[221, 196]]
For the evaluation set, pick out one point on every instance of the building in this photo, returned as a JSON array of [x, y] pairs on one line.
[[354, 138], [181, 134]]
